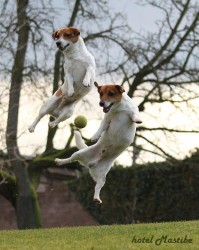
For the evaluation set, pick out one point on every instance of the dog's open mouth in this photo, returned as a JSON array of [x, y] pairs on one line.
[[106, 109], [63, 48]]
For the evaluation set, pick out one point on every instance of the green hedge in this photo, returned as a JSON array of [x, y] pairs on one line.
[[150, 193]]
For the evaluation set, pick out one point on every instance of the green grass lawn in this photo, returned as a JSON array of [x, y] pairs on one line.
[[104, 237]]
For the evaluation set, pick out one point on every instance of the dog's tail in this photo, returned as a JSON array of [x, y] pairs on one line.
[[79, 141]]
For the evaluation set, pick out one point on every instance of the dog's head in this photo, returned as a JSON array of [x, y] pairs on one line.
[[109, 95], [64, 38]]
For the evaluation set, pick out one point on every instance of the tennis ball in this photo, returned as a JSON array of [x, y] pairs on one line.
[[80, 121]]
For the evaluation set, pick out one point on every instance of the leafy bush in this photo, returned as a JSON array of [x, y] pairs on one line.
[[146, 193]]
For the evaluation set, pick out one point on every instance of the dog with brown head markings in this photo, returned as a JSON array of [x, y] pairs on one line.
[[79, 69], [115, 134]]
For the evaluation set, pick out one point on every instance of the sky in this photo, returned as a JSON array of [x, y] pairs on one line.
[[139, 18]]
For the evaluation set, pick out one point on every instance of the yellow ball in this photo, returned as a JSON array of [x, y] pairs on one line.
[[80, 121]]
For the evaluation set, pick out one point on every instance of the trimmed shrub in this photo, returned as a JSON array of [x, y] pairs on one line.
[[146, 193]]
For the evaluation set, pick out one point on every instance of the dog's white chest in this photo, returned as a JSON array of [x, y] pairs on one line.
[[120, 133], [77, 69]]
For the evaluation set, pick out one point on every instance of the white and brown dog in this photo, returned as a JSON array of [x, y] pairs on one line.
[[114, 135], [79, 68]]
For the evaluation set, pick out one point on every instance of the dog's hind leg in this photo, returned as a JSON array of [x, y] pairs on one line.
[[66, 113], [60, 162], [84, 156], [98, 172], [99, 184], [31, 128], [74, 157], [46, 108]]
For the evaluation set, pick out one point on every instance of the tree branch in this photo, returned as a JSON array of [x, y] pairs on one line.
[[141, 128], [170, 157]]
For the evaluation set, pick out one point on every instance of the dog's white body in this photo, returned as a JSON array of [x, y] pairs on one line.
[[115, 134], [79, 70]]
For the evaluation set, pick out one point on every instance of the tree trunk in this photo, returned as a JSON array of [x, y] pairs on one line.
[[52, 131], [27, 207]]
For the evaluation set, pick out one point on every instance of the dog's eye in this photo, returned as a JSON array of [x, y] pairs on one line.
[[101, 93], [110, 93], [66, 35]]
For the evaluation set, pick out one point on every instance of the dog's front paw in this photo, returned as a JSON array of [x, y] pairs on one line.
[[52, 124], [95, 138], [138, 121], [86, 82], [71, 92], [58, 162], [31, 129]]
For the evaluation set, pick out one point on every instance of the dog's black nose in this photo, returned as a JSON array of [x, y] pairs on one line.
[[101, 104], [58, 44]]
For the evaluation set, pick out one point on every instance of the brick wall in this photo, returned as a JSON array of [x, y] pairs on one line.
[[59, 208]]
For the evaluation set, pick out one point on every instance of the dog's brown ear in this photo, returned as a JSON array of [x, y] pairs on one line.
[[120, 88], [96, 84], [55, 35], [74, 31]]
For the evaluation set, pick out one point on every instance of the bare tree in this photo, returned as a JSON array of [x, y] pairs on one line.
[[20, 26], [27, 214], [162, 67]]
